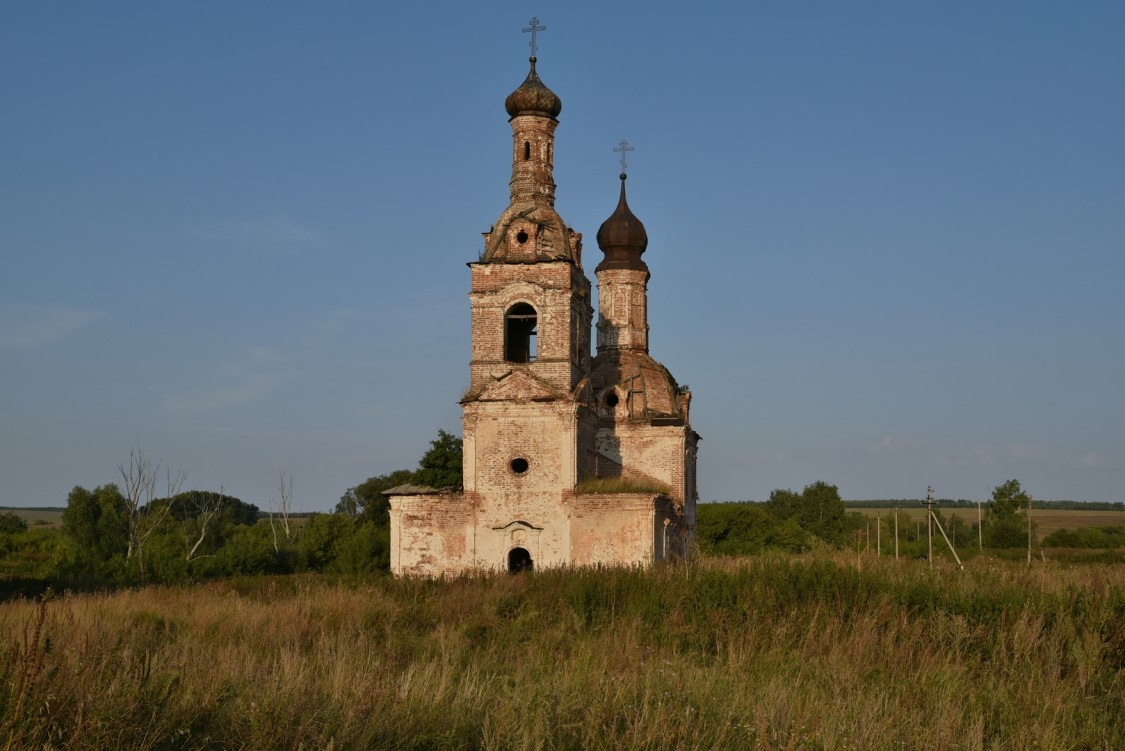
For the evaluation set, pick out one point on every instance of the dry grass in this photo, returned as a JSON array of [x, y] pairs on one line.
[[764, 653]]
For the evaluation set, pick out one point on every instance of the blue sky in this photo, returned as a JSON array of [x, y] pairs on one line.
[[886, 238]]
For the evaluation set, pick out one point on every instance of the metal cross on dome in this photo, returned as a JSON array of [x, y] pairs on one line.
[[623, 147], [534, 27]]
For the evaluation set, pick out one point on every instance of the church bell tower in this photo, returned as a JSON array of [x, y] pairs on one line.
[[526, 414]]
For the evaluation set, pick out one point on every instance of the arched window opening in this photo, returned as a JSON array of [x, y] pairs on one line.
[[520, 333], [526, 150], [550, 154], [519, 560]]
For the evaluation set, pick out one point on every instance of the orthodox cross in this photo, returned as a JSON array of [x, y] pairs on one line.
[[534, 27], [624, 147]]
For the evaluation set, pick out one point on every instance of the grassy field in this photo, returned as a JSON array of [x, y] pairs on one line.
[[760, 653], [1046, 520], [39, 517]]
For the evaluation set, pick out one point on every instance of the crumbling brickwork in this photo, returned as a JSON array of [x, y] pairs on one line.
[[569, 460]]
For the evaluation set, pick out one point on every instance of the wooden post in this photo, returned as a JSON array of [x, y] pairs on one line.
[[980, 529], [1029, 530], [896, 534], [879, 536]]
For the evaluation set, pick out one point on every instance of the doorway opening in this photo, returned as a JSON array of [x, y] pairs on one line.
[[519, 560]]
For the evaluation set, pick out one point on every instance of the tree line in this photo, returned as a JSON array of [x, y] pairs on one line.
[[127, 531], [145, 528], [798, 522]]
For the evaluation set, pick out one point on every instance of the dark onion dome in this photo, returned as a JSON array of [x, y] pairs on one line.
[[533, 98], [622, 238]]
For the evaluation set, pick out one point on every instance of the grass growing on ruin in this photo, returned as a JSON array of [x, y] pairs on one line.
[[768, 652]]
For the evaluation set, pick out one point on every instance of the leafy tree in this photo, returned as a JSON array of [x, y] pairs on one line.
[[1006, 528], [366, 551], [733, 528], [789, 535], [1008, 499], [322, 537], [249, 550], [785, 504], [96, 520], [11, 523], [185, 506], [818, 510], [366, 502], [441, 466], [1087, 537]]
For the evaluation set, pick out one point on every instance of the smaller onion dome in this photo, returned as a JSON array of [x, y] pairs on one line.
[[533, 98], [622, 238]]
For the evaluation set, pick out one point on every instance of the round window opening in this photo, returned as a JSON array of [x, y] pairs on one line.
[[611, 399], [521, 238], [519, 465]]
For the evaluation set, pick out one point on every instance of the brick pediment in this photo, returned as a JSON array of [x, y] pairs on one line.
[[518, 386]]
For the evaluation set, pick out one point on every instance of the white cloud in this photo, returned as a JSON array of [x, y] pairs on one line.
[[273, 234], [23, 325]]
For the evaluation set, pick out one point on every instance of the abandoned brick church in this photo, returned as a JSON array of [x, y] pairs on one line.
[[568, 460]]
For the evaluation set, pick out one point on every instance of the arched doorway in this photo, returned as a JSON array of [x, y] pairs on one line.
[[519, 560]]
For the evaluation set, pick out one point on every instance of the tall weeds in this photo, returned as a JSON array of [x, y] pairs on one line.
[[760, 653]]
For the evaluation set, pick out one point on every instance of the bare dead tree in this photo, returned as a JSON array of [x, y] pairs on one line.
[[206, 506], [284, 506], [143, 517]]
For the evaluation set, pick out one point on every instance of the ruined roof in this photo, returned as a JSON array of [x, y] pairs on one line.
[[651, 393], [551, 239], [533, 97]]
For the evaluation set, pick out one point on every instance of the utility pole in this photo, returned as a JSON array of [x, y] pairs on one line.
[[896, 534], [930, 525], [931, 520]]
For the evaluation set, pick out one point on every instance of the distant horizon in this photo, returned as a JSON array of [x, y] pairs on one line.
[[846, 501]]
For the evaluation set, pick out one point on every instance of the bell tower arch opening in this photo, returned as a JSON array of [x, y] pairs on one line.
[[520, 333]]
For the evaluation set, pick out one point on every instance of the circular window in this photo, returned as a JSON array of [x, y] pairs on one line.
[[521, 238], [611, 399], [519, 465]]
